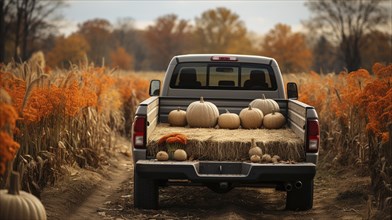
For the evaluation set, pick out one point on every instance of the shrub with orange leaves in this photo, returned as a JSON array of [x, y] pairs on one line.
[[131, 86], [350, 105], [80, 108], [376, 101], [15, 87], [8, 117], [8, 149]]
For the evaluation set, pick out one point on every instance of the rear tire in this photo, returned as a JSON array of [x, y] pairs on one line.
[[300, 199], [145, 193]]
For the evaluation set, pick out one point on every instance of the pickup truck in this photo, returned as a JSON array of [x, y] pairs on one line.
[[230, 82]]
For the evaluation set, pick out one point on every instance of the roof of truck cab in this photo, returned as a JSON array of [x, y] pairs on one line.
[[208, 58]]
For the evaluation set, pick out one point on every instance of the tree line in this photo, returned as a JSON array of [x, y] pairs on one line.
[[339, 35]]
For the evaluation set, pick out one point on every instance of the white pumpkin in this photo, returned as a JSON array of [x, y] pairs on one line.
[[201, 114], [180, 155], [274, 120], [255, 159], [266, 158], [254, 149], [251, 118], [177, 118], [265, 105], [162, 156], [17, 204], [229, 120]]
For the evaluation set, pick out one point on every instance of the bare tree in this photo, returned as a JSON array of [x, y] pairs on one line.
[[4, 30], [346, 22], [22, 22]]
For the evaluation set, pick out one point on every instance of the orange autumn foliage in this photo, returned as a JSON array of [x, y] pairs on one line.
[[352, 99], [121, 59], [8, 147], [129, 86], [376, 101], [8, 116], [89, 87], [15, 87], [55, 100], [80, 108]]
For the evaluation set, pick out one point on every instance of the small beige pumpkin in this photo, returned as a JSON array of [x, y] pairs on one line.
[[266, 158], [251, 118], [274, 120], [277, 157], [254, 149], [255, 159], [180, 155], [177, 118], [15, 204], [201, 114], [162, 156], [265, 105], [229, 120]]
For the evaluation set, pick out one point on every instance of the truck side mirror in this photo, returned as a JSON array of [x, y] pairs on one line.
[[292, 91], [155, 87]]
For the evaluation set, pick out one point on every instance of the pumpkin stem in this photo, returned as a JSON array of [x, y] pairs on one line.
[[201, 99], [178, 108], [253, 143], [263, 96], [227, 111], [14, 184], [273, 110], [250, 107]]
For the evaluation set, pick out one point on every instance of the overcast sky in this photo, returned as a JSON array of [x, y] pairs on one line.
[[259, 15]]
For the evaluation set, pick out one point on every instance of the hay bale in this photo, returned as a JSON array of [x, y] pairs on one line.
[[233, 145]]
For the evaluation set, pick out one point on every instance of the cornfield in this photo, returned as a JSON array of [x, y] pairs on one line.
[[52, 118], [355, 113], [58, 118]]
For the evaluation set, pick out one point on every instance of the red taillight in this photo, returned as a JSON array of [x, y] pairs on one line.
[[219, 58], [139, 132], [313, 136]]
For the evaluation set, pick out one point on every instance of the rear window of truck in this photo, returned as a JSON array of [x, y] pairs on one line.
[[241, 76]]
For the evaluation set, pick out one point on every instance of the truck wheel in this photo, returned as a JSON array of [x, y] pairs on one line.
[[300, 199], [145, 193]]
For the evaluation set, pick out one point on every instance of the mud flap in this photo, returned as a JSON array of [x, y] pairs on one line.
[[300, 199], [146, 193]]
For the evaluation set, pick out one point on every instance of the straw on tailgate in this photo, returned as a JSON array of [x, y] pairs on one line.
[[233, 145]]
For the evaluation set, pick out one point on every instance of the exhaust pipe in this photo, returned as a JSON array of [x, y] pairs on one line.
[[298, 184], [224, 185], [288, 187]]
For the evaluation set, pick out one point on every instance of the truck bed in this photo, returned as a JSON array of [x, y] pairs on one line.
[[231, 145], [224, 144]]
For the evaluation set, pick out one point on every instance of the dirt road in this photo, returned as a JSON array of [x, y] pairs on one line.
[[107, 194]]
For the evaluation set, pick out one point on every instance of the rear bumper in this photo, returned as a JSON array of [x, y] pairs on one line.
[[218, 171]]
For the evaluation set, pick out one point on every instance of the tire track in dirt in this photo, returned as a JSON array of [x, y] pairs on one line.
[[339, 193], [177, 202], [93, 206]]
